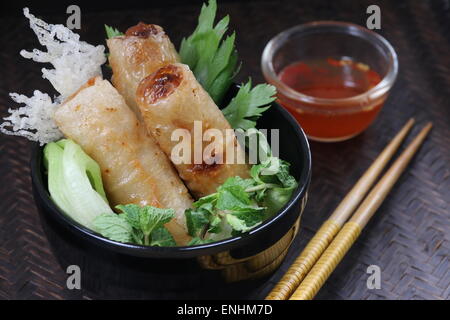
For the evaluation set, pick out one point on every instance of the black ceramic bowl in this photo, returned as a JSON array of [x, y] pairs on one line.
[[113, 269]]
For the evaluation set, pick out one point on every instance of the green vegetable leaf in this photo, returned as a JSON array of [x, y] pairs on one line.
[[161, 237], [232, 193], [277, 187], [140, 225], [274, 183], [112, 32], [284, 176], [196, 221], [276, 198], [197, 241], [256, 139], [132, 215], [251, 215], [74, 182], [248, 105], [238, 181], [113, 226], [237, 224], [209, 199], [151, 218], [212, 60], [266, 172], [231, 197], [214, 224]]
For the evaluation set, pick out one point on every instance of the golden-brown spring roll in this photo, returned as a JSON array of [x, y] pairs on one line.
[[134, 169], [141, 51], [170, 99]]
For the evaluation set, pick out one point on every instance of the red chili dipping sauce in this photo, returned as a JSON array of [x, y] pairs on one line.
[[336, 119]]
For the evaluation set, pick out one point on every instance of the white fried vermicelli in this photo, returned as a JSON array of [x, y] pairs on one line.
[[74, 63], [33, 121]]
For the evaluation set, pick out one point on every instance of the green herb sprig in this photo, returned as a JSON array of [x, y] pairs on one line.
[[212, 59], [248, 105], [112, 32], [214, 62], [241, 204], [140, 225]]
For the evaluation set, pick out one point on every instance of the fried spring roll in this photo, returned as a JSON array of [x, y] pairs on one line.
[[134, 169], [141, 51], [171, 99]]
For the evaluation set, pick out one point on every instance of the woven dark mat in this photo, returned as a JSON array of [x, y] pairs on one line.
[[409, 237]]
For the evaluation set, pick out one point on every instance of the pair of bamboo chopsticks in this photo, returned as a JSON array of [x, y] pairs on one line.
[[326, 249]]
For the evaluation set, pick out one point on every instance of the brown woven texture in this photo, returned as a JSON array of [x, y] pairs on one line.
[[409, 237]]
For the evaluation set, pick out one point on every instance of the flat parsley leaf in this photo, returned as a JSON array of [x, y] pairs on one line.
[[277, 188], [231, 199], [248, 105], [112, 32], [211, 59]]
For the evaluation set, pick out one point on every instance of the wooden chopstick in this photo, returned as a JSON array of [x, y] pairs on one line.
[[301, 266], [351, 230]]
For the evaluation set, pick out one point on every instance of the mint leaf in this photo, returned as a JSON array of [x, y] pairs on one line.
[[161, 237], [214, 224], [113, 226], [248, 105], [244, 219], [284, 177], [151, 218], [131, 214], [242, 204], [143, 221], [231, 194], [137, 236], [196, 221], [278, 187], [232, 197], [238, 181], [197, 241], [250, 215], [276, 198], [209, 199], [237, 224], [267, 171]]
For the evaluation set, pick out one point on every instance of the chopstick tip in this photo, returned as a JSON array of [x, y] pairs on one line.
[[410, 123], [427, 128]]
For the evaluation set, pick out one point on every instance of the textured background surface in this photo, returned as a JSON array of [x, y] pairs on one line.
[[409, 238]]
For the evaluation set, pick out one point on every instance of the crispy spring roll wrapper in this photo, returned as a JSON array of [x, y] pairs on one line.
[[141, 51], [170, 99], [134, 169]]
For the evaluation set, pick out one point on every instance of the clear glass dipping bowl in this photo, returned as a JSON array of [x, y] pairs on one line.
[[331, 119]]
